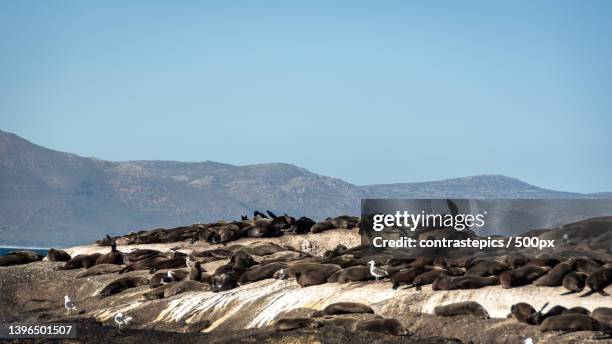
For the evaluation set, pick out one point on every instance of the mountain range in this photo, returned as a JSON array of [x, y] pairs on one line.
[[51, 198]]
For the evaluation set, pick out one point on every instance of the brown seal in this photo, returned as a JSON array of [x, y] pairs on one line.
[[154, 264], [577, 310], [101, 269], [122, 284], [407, 276], [169, 263], [19, 257], [554, 277], [355, 273], [544, 261], [556, 310], [522, 276], [598, 281], [140, 255], [311, 273], [586, 265], [184, 286], [312, 277], [345, 322], [524, 312], [295, 323], [112, 257], [462, 308], [81, 261], [388, 326], [603, 315], [574, 282], [487, 268], [155, 294], [463, 282], [223, 281], [428, 278], [573, 322], [54, 255], [258, 273], [343, 308]]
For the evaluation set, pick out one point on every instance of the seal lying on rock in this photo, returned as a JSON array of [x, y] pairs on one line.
[[223, 281], [307, 274], [487, 268], [155, 294], [463, 282], [313, 277], [603, 315], [388, 326], [241, 259], [81, 261], [139, 255], [19, 257], [524, 312], [263, 249], [354, 274], [554, 277], [573, 322], [258, 273], [54, 255], [101, 269], [185, 286], [112, 257], [295, 323], [577, 310], [343, 308], [169, 263], [302, 225], [213, 254], [574, 282], [556, 310], [462, 308], [407, 276], [598, 281], [122, 284], [157, 263], [337, 251], [428, 278], [585, 265], [522, 276]]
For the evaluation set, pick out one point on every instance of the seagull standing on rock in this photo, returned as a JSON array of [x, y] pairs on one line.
[[68, 304], [377, 272], [169, 278], [122, 320]]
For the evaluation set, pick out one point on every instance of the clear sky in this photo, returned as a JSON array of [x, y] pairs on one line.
[[370, 92]]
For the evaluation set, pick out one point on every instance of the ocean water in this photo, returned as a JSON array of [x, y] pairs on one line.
[[5, 250]]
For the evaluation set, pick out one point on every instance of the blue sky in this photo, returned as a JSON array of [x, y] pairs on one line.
[[370, 92]]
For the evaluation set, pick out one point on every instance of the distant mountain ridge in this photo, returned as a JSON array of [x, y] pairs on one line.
[[54, 198]]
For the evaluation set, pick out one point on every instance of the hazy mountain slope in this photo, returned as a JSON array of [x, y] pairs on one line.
[[54, 198], [50, 197], [486, 186]]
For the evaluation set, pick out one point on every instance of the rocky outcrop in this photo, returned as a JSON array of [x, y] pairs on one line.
[[35, 292]]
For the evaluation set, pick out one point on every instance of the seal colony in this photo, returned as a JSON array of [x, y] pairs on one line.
[[158, 274]]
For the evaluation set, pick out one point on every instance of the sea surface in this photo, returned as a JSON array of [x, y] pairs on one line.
[[5, 250]]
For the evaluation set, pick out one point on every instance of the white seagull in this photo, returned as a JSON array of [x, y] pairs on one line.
[[68, 304], [169, 278], [377, 272], [122, 320]]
